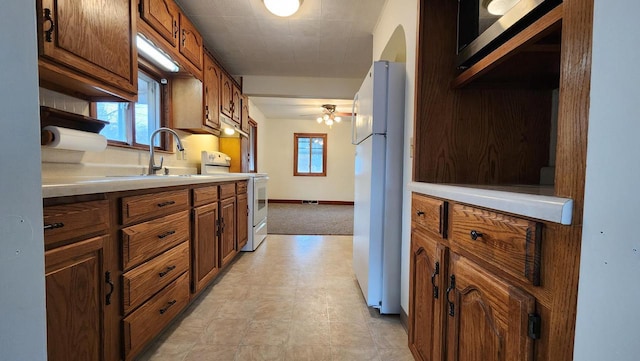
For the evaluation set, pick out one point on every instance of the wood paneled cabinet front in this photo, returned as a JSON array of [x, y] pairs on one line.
[[190, 42], [205, 263], [242, 217], [228, 246], [244, 123], [162, 16], [212, 77], [236, 105], [87, 47], [76, 298], [460, 310], [226, 96]]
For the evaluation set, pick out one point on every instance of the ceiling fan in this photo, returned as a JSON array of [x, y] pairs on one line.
[[330, 116]]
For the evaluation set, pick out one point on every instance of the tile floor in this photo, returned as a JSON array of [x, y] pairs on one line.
[[294, 298]]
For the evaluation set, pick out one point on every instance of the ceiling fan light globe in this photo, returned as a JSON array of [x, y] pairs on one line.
[[319, 120], [329, 122], [282, 8], [325, 117], [338, 119]]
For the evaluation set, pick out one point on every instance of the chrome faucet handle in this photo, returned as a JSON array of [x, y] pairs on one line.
[[159, 166]]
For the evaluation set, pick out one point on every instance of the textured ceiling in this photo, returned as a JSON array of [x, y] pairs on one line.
[[296, 108], [325, 38]]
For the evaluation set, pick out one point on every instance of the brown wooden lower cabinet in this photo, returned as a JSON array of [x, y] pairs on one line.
[[243, 220], [461, 307], [119, 267], [75, 300]]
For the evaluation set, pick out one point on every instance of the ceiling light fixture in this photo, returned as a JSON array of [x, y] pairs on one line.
[[499, 7], [282, 8], [329, 117], [149, 51]]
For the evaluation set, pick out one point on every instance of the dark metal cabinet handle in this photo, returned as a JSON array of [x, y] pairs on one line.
[[169, 304], [452, 286], [436, 271], [167, 203], [184, 36], [53, 225], [206, 112], [166, 234], [48, 32], [169, 269], [107, 280], [175, 29], [475, 235], [419, 213]]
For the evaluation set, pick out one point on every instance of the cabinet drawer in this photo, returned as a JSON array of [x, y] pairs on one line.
[[430, 214], [143, 281], [205, 195], [148, 320], [227, 190], [509, 243], [138, 208], [241, 187], [148, 239], [70, 221]]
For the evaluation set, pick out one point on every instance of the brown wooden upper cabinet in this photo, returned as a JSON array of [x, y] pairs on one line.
[[212, 76], [87, 48], [226, 96], [190, 43], [236, 106], [244, 124], [162, 16]]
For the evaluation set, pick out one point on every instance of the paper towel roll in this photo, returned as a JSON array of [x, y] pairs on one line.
[[71, 139]]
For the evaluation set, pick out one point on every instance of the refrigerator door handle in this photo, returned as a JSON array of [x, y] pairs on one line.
[[354, 120]]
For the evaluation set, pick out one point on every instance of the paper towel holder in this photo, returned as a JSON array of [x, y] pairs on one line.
[[61, 118]]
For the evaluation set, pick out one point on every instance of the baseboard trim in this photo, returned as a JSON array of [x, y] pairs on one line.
[[404, 319], [300, 201]]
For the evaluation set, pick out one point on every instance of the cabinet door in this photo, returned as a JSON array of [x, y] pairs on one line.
[[211, 93], [487, 316], [162, 16], [190, 42], [205, 246], [226, 95], [236, 105], [243, 220], [244, 124], [426, 297], [75, 293], [228, 245], [92, 37]]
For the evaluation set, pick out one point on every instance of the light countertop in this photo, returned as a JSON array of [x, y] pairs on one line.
[[529, 201], [78, 185]]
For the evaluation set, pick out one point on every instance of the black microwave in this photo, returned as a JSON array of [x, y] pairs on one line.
[[483, 25]]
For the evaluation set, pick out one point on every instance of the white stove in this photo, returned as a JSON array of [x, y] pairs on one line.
[[217, 163]]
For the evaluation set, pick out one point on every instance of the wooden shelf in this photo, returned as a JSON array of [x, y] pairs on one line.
[[519, 48]]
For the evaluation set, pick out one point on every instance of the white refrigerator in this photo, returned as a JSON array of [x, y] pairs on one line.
[[378, 133]]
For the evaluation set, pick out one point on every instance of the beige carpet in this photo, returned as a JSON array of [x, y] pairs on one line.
[[322, 219]]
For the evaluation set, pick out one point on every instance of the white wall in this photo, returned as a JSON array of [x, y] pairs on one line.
[[22, 298], [298, 87], [336, 186], [609, 289], [402, 13]]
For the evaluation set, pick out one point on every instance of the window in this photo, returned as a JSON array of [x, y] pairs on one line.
[[310, 154], [132, 123]]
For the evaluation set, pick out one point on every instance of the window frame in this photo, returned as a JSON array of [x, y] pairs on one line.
[[297, 136], [131, 143]]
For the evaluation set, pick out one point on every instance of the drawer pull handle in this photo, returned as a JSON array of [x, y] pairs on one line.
[[53, 225], [167, 203], [107, 280], [475, 235], [419, 213], [169, 304], [436, 271], [166, 234], [452, 286], [169, 269]]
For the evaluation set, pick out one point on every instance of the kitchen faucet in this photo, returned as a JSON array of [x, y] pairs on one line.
[[152, 167]]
